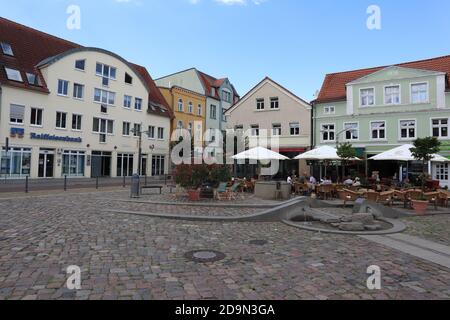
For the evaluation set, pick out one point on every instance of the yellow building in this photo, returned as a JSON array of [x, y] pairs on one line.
[[189, 109]]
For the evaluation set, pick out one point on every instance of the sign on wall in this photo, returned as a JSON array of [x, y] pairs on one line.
[[50, 137]]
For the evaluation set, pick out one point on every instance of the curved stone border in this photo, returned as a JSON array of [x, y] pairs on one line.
[[397, 227], [203, 205]]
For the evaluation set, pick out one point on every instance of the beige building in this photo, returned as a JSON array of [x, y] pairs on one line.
[[271, 109], [76, 111]]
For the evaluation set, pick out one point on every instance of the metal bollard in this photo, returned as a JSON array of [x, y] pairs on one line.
[[65, 183], [96, 183], [124, 181], [146, 180], [26, 184]]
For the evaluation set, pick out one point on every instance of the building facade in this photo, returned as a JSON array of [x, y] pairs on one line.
[[68, 110], [189, 110], [382, 108], [283, 115]]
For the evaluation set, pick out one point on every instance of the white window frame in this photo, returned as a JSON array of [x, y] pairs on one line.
[[357, 130], [399, 95], [126, 133], [260, 104], [151, 132], [136, 108], [79, 122], [190, 107], [108, 93], [440, 128], [180, 105], [7, 49], [103, 69], [329, 110], [31, 117], [213, 111], [23, 117], [37, 81], [107, 122], [276, 101], [400, 130], [276, 129], [411, 92], [255, 130], [68, 85], [385, 130], [161, 133], [127, 101], [60, 120], [291, 126], [75, 91], [361, 97], [329, 131], [199, 110]]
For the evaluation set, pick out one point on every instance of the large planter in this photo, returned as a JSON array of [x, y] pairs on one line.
[[420, 207], [194, 195]]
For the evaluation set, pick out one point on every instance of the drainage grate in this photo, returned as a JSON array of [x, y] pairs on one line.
[[258, 242], [204, 256]]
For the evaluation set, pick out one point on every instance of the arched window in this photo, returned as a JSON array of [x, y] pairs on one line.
[[199, 110], [180, 105], [180, 125], [190, 107]]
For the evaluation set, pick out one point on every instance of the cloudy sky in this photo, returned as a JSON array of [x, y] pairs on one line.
[[296, 42]]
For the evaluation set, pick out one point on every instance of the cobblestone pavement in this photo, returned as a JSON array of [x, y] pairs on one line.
[[132, 257], [434, 228]]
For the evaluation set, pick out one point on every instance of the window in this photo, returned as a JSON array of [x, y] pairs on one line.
[[151, 132], [213, 112], [352, 131], [260, 104], [158, 165], [441, 172], [190, 127], [13, 74], [76, 122], [276, 129], [255, 130], [419, 93], [7, 49], [440, 128], [138, 104], [392, 95], [63, 87], [78, 91], [226, 96], [16, 114], [328, 132], [33, 79], [199, 110], [329, 110], [294, 128], [128, 78], [36, 117], [378, 129], [104, 109], [103, 127], [80, 64], [136, 130], [367, 97], [124, 164], [127, 101], [190, 107], [407, 129], [180, 125], [274, 103], [160, 133], [180, 105], [126, 128], [17, 163], [61, 120], [105, 71], [105, 97], [73, 163]]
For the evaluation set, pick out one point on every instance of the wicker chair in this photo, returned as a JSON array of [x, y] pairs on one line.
[[325, 191], [401, 196], [387, 197], [444, 197], [433, 198], [372, 196], [348, 195]]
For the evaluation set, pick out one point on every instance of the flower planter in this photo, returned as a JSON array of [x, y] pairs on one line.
[[194, 195], [420, 206]]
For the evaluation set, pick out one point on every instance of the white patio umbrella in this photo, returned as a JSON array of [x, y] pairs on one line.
[[259, 153], [403, 153]]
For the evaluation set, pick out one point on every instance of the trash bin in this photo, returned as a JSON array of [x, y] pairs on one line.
[[135, 186]]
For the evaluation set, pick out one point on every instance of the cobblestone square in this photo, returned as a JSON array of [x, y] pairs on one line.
[[135, 257]]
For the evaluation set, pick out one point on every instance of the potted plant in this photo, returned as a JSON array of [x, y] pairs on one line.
[[190, 177], [424, 150], [346, 152]]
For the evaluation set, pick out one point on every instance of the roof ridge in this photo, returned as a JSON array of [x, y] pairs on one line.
[[40, 32], [390, 65]]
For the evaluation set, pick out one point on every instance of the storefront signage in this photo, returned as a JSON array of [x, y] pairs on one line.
[[55, 138], [20, 132]]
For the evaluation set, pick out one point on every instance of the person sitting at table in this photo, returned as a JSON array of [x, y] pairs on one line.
[[357, 182], [289, 180], [348, 182], [312, 180], [326, 181]]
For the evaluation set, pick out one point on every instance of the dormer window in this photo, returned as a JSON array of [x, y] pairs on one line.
[[33, 79], [213, 91], [13, 74], [128, 78], [6, 49]]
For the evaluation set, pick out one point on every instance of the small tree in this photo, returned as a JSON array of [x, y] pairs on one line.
[[346, 152], [424, 149]]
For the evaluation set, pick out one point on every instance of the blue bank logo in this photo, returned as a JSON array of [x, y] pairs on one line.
[[53, 137]]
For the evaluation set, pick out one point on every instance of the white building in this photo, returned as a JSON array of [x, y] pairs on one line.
[[71, 110]]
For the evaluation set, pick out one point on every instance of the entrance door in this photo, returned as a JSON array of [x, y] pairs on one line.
[[101, 164], [46, 164], [144, 166]]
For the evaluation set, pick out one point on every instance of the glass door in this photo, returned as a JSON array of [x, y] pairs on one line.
[[46, 164]]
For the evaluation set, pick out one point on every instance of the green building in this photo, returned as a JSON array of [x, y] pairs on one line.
[[381, 108]]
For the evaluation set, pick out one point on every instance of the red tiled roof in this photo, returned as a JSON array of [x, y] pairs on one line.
[[333, 88], [31, 47], [211, 82]]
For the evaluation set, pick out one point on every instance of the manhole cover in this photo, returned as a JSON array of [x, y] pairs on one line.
[[258, 242], [204, 256]]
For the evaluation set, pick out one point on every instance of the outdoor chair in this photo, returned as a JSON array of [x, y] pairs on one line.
[[348, 195], [433, 198], [372, 196], [234, 191], [301, 188], [400, 196], [386, 198], [444, 197], [222, 192], [249, 186], [325, 191]]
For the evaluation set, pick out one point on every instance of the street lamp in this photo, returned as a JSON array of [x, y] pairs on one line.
[[139, 133]]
